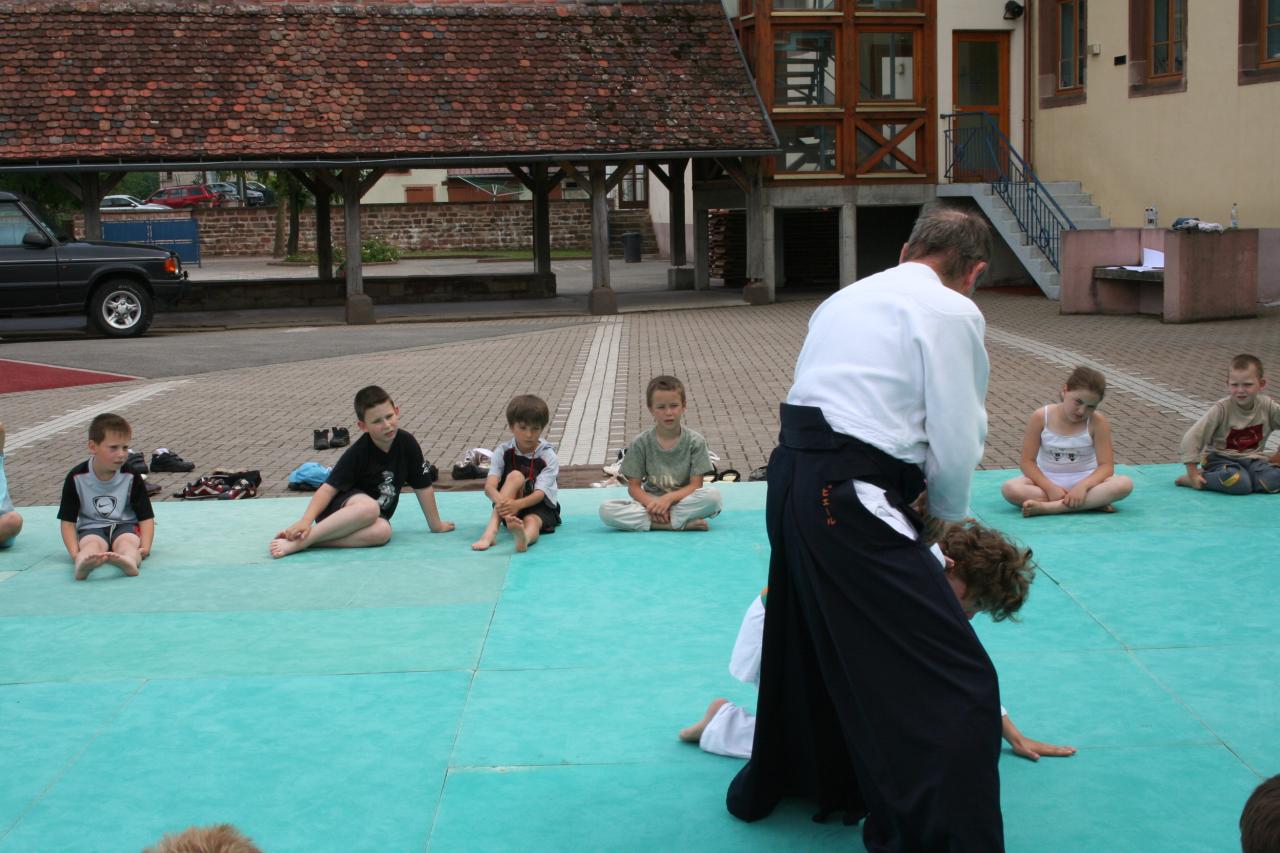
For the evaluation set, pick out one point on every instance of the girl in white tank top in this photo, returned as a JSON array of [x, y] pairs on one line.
[[1068, 463]]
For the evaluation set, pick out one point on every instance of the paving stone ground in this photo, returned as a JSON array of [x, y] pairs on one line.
[[736, 361]]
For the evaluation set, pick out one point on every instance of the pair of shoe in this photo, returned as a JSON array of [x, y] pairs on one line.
[[474, 465], [164, 459], [321, 439], [728, 475]]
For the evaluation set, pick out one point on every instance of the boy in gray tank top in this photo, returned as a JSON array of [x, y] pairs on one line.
[[664, 467], [105, 512]]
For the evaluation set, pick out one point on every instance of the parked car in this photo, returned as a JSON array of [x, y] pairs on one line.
[[43, 271], [128, 202], [232, 192], [187, 195], [268, 194]]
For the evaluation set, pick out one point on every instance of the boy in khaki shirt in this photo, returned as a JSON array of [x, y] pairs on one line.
[[664, 467], [1230, 438]]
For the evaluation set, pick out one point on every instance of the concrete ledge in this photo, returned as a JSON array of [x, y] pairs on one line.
[[382, 290]]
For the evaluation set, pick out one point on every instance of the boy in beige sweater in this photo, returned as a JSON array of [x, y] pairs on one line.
[[1229, 440]]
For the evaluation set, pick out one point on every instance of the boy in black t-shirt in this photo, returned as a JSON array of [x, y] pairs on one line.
[[353, 508]]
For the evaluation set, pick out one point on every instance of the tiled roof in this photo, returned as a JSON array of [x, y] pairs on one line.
[[148, 81]]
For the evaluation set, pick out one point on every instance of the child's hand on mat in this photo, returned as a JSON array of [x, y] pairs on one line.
[[442, 527], [1033, 749], [144, 552], [1076, 496], [294, 532]]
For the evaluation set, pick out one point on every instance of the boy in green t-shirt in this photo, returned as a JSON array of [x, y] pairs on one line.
[[664, 467]]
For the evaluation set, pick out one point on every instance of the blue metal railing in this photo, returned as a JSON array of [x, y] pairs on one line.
[[978, 152]]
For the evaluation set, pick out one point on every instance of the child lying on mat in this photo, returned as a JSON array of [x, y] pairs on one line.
[[988, 574]]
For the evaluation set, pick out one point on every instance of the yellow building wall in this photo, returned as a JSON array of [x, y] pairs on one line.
[[1188, 153]]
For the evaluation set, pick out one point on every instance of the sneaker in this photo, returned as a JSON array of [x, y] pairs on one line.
[[239, 490], [163, 459], [341, 437], [135, 463], [320, 439]]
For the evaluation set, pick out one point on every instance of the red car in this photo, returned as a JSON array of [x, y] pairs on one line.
[[188, 195]]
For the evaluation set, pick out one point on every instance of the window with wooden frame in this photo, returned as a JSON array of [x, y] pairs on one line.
[[1269, 33], [1070, 61], [1168, 38], [887, 67], [805, 68], [1259, 42], [889, 5], [808, 149]]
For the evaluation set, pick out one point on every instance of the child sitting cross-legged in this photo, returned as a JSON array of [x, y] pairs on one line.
[[664, 467], [105, 512], [1230, 439], [1068, 464], [353, 508], [522, 478], [987, 572]]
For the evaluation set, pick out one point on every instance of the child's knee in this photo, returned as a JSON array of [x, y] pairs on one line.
[[514, 482], [365, 509], [10, 526], [1123, 486], [380, 531], [1267, 480], [1229, 479]]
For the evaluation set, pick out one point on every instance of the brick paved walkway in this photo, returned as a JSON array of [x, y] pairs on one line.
[[736, 362]]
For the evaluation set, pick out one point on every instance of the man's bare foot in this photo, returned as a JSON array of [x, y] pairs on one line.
[[125, 564], [284, 547], [86, 563], [515, 526], [693, 734], [696, 524], [484, 543], [1032, 508]]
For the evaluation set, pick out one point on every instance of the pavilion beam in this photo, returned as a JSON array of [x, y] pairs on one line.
[[679, 276], [359, 306], [321, 185], [602, 299], [761, 275]]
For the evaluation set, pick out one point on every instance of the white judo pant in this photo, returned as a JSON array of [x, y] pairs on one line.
[[626, 514], [733, 729]]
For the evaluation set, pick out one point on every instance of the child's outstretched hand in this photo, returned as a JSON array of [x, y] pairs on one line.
[[294, 532], [1033, 749], [442, 527]]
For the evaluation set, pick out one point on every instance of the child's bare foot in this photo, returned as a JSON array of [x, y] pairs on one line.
[[693, 734], [696, 524], [515, 527], [1185, 480], [1106, 508], [281, 547], [484, 543], [128, 565], [86, 563], [1032, 508]]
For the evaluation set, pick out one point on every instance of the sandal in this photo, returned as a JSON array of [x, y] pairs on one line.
[[728, 475], [708, 479]]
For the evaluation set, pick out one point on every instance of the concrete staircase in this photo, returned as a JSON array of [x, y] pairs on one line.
[[1070, 195], [623, 220]]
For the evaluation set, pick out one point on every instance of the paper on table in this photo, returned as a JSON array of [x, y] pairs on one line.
[[1152, 259]]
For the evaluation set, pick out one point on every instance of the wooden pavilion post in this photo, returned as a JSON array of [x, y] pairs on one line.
[[321, 184], [680, 276], [89, 189], [359, 305]]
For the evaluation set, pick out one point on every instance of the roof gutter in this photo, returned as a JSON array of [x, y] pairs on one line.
[[338, 162]]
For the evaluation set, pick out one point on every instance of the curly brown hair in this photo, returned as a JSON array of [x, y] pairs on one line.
[[997, 572]]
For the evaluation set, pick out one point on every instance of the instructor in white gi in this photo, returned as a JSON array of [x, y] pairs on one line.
[[876, 697]]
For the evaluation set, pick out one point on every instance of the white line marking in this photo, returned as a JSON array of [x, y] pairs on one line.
[[25, 437], [585, 436], [64, 367]]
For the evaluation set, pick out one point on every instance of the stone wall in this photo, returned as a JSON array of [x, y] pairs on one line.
[[448, 225]]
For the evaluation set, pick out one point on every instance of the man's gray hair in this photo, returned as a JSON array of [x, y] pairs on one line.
[[957, 236]]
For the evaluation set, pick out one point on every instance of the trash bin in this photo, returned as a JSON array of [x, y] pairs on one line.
[[631, 247]]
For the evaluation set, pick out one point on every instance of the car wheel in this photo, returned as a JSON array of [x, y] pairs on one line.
[[121, 308]]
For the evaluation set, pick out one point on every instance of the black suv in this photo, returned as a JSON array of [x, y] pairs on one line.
[[43, 271]]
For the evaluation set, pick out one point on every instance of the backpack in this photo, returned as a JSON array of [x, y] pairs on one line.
[[308, 477]]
